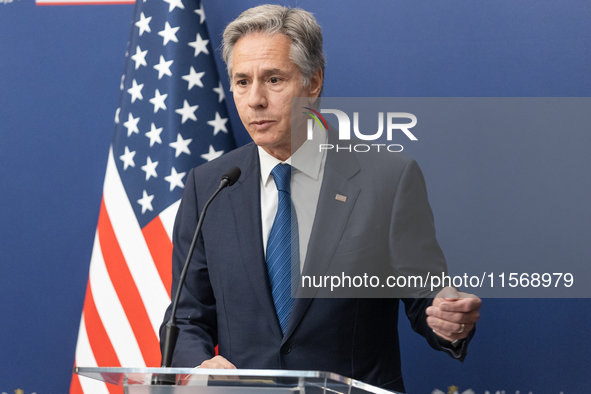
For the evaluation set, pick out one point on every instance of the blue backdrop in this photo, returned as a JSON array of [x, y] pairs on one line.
[[60, 69]]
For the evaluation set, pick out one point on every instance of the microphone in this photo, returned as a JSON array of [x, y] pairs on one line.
[[230, 177], [172, 330]]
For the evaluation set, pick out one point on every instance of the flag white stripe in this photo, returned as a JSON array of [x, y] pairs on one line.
[[133, 246], [111, 312], [85, 358], [168, 216]]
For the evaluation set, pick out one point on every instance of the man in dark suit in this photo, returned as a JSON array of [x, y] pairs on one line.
[[345, 212]]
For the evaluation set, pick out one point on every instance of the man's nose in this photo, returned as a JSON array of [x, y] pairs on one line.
[[257, 96]]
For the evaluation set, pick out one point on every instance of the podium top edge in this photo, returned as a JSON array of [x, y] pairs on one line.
[[217, 372], [118, 373]]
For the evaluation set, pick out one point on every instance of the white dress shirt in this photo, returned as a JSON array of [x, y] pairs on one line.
[[306, 179]]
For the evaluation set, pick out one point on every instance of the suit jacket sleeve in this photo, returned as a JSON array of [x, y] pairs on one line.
[[196, 313], [416, 251]]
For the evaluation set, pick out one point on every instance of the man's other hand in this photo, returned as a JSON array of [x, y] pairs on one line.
[[453, 314], [218, 362]]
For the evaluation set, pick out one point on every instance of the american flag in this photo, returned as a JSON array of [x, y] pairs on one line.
[[172, 117]]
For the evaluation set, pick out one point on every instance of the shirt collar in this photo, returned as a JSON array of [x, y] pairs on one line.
[[307, 159]]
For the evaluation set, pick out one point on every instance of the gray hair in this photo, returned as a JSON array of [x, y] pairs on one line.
[[299, 25]]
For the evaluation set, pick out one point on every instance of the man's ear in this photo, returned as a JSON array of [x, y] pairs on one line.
[[315, 86]]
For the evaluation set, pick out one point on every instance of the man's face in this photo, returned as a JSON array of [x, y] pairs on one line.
[[264, 81]]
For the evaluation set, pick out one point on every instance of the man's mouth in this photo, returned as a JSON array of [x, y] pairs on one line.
[[262, 124]]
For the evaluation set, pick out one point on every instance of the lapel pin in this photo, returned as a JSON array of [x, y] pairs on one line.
[[341, 198]]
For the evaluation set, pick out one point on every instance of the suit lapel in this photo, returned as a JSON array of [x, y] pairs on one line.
[[329, 223], [246, 204]]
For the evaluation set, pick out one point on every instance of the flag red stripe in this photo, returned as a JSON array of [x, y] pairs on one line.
[[127, 291], [161, 250], [75, 387], [88, 3], [101, 346]]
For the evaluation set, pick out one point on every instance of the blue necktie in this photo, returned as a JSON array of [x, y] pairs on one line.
[[283, 248]]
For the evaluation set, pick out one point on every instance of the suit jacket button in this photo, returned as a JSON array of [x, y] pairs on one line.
[[285, 349]]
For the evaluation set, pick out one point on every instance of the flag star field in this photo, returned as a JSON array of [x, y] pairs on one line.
[[170, 118]]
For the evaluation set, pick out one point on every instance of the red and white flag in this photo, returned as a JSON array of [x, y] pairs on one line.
[[172, 117]]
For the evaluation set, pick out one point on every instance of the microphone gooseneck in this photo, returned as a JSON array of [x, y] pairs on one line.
[[172, 331]]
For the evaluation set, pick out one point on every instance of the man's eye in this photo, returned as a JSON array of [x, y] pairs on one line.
[[274, 79], [241, 82]]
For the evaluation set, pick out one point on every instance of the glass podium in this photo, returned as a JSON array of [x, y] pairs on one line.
[[227, 381]]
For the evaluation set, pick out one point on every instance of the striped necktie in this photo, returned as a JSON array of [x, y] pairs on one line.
[[283, 250]]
